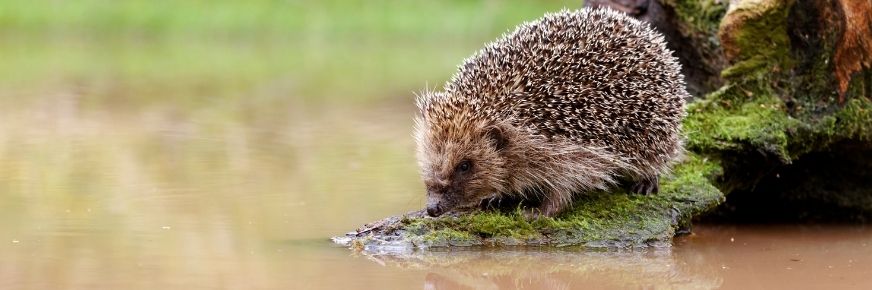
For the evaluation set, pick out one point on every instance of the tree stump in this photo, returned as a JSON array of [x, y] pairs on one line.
[[791, 122]]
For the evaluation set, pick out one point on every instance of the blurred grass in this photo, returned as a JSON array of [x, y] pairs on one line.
[[192, 52]]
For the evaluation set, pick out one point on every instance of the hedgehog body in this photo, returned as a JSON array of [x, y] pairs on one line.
[[573, 102]]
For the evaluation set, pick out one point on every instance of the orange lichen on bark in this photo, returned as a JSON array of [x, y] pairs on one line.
[[854, 50]]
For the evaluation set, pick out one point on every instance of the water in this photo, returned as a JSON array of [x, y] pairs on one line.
[[195, 145], [96, 200]]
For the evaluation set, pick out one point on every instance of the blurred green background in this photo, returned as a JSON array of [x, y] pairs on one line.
[[205, 54], [190, 136]]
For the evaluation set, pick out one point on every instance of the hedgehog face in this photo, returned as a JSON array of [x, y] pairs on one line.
[[462, 168]]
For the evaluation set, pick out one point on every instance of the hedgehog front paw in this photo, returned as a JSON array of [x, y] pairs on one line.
[[647, 185], [550, 207], [532, 214]]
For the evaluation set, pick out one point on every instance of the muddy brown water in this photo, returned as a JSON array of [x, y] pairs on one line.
[[145, 200]]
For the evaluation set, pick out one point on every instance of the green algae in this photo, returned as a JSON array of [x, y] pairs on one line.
[[757, 34]]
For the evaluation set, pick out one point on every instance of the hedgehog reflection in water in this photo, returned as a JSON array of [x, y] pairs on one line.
[[573, 102]]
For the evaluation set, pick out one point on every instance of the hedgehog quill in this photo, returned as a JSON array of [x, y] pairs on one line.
[[573, 102]]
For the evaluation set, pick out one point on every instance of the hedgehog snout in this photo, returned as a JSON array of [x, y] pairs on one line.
[[436, 204], [435, 210]]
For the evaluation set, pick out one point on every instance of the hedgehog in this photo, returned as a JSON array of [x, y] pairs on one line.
[[574, 102]]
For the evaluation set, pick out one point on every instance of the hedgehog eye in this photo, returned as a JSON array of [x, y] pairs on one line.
[[464, 166]]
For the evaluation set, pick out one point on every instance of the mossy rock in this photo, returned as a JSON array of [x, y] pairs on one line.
[[599, 219], [792, 126]]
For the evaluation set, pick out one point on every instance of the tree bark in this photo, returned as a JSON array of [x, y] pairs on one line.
[[790, 102]]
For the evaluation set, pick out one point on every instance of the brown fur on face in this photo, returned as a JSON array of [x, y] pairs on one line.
[[466, 160], [462, 161], [503, 160]]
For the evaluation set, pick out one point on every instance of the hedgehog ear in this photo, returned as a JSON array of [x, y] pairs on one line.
[[498, 136]]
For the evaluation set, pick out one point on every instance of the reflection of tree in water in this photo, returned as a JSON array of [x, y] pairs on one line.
[[553, 269]]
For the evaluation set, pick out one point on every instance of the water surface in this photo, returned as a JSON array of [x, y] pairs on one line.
[[218, 145], [138, 201]]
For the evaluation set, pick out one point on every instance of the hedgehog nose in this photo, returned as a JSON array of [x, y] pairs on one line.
[[434, 210], [434, 201]]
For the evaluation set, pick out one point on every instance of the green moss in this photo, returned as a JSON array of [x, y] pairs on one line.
[[726, 122], [749, 113], [722, 124], [853, 121], [483, 225], [446, 236], [751, 116], [756, 65], [701, 15], [762, 39]]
